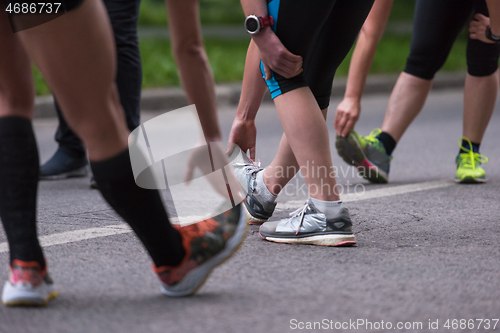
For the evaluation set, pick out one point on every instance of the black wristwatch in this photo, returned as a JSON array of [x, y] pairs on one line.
[[254, 24], [491, 36]]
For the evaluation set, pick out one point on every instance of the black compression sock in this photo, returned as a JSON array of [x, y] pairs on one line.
[[388, 142], [19, 168], [465, 144], [142, 209]]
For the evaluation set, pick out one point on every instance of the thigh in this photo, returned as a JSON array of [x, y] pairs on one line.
[[76, 55], [482, 58], [296, 23], [332, 46], [436, 26], [16, 81]]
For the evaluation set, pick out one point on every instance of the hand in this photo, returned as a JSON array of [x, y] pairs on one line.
[[346, 116], [276, 57], [478, 27], [210, 159], [243, 134], [197, 160]]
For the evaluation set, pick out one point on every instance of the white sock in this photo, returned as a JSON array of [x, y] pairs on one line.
[[329, 208], [262, 190]]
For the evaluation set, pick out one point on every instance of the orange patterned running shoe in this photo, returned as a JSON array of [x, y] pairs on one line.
[[28, 285], [207, 244]]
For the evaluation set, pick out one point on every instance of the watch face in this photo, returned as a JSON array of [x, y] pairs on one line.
[[251, 25]]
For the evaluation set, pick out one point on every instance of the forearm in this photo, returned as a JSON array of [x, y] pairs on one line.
[[369, 37], [254, 7], [194, 67], [360, 67], [494, 10], [253, 88], [198, 82]]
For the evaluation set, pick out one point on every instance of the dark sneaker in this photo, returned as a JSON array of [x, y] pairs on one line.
[[259, 210], [207, 244], [469, 169], [367, 154], [308, 226], [28, 285], [93, 183], [63, 165]]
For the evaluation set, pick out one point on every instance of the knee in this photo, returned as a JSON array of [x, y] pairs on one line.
[[482, 59], [17, 100], [482, 69], [189, 48], [95, 119], [423, 67]]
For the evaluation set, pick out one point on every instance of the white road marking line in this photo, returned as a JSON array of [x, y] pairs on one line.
[[111, 230], [77, 235], [379, 193]]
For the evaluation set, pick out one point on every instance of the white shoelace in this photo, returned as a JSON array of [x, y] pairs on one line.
[[249, 168], [300, 212]]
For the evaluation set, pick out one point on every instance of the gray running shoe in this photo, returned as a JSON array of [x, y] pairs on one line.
[[258, 209], [308, 226], [367, 154]]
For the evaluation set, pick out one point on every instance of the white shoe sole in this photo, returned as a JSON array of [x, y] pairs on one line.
[[253, 220], [27, 296], [321, 240], [197, 277]]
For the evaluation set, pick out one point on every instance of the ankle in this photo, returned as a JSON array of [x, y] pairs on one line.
[[329, 208], [467, 146], [267, 185], [388, 142]]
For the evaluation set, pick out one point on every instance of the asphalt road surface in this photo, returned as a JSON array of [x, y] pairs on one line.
[[427, 249]]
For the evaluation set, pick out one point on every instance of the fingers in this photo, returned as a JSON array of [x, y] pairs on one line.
[[283, 68], [340, 121], [344, 123], [478, 27], [349, 125], [481, 18], [474, 25], [252, 153], [282, 62], [188, 175], [267, 71], [336, 120], [229, 148], [289, 65], [292, 57], [347, 115]]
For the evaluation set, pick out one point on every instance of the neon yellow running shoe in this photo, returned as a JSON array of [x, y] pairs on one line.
[[469, 168]]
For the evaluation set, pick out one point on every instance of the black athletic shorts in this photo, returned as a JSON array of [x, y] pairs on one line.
[[322, 32], [26, 14], [437, 25]]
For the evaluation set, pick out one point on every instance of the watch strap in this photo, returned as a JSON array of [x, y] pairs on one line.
[[491, 36], [266, 21]]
